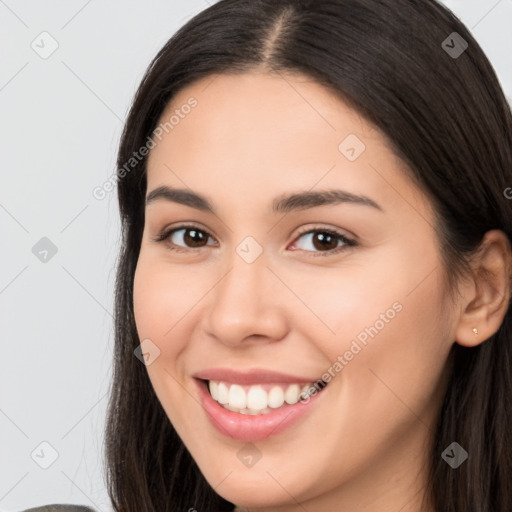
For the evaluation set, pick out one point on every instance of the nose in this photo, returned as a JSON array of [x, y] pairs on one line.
[[247, 305]]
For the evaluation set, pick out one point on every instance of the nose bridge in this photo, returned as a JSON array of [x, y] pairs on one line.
[[242, 288], [245, 301], [247, 270]]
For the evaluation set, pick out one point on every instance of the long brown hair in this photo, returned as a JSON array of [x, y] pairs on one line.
[[445, 116]]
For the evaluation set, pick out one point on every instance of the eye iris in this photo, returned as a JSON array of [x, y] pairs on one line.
[[199, 237], [324, 239]]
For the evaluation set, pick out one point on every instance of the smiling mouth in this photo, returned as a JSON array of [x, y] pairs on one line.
[[260, 399], [254, 412]]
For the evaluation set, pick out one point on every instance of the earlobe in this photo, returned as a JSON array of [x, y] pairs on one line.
[[487, 298]]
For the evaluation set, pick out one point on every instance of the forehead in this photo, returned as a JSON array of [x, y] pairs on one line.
[[250, 133], [266, 112]]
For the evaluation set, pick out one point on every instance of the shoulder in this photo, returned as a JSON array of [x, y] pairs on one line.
[[60, 508]]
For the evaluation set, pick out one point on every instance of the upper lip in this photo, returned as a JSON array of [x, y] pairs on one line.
[[253, 376]]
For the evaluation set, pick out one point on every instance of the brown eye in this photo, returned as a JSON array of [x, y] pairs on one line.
[[183, 238], [323, 242], [194, 237]]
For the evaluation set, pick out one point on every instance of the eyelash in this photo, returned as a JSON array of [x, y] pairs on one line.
[[346, 241]]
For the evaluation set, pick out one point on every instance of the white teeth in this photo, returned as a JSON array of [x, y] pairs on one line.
[[214, 389], [292, 393], [276, 397], [237, 397], [222, 393], [255, 399], [250, 412]]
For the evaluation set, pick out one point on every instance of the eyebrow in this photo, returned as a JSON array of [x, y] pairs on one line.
[[282, 204]]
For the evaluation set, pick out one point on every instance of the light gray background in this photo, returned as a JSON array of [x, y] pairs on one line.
[[61, 119]]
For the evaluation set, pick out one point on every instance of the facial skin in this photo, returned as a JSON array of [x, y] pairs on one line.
[[252, 138]]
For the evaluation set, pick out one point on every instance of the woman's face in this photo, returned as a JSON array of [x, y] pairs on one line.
[[346, 287]]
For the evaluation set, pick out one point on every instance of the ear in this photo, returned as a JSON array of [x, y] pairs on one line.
[[486, 294]]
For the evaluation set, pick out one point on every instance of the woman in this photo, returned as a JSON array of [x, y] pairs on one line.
[[312, 302]]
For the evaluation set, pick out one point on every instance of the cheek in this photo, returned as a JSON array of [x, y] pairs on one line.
[[388, 344], [162, 297], [392, 371]]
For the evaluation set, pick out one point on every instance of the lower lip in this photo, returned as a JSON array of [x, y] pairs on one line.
[[246, 427]]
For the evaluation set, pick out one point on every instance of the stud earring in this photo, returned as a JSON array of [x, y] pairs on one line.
[[475, 331]]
